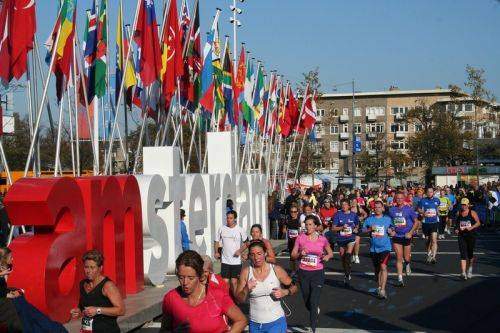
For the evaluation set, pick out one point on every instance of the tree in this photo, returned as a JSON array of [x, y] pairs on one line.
[[311, 78], [441, 140]]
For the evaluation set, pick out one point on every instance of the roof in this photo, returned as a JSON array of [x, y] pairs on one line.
[[391, 93]]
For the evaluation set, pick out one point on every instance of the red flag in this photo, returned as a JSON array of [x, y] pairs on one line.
[[18, 27], [146, 37], [291, 117], [208, 99], [308, 118], [172, 65], [239, 83]]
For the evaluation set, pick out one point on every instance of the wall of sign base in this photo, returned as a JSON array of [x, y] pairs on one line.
[[133, 220]]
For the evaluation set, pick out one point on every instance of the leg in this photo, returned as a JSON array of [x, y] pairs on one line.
[[342, 257], [434, 245], [398, 249], [356, 248], [462, 247], [382, 276], [305, 287], [233, 285], [317, 281], [376, 265], [348, 255]]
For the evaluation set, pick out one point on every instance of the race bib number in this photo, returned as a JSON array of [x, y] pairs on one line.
[[400, 222], [465, 224], [378, 231], [430, 212], [86, 325], [443, 205], [293, 233], [310, 260], [347, 231]]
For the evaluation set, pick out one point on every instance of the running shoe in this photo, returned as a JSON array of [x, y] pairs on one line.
[[400, 283], [433, 260], [408, 269], [428, 260], [463, 276], [382, 294], [347, 280], [356, 259], [469, 273]]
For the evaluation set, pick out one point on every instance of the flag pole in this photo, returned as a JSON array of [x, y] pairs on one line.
[[306, 133], [77, 131], [58, 144], [120, 95], [44, 97], [71, 138]]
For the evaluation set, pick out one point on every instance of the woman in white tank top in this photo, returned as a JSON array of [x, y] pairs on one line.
[[265, 284]]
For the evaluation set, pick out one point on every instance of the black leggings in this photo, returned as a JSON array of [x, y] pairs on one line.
[[311, 286], [442, 224], [466, 244]]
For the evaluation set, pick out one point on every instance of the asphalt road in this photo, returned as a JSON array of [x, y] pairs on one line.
[[434, 299]]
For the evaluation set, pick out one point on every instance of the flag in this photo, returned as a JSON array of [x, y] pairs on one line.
[[258, 93], [90, 51], [18, 27], [193, 61], [239, 84], [172, 65], [185, 21], [99, 79], [65, 26], [122, 48], [308, 118], [291, 115], [227, 87], [207, 72], [146, 37], [246, 105]]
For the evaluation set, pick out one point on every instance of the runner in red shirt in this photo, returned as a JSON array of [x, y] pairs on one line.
[[326, 213], [214, 280]]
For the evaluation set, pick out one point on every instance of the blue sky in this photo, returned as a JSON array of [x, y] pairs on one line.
[[410, 44]]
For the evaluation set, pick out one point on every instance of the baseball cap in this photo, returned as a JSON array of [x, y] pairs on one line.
[[464, 201]]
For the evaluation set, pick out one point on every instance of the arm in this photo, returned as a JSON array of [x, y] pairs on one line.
[[477, 223], [237, 318], [110, 291], [271, 255], [289, 286], [242, 287], [295, 252], [329, 252]]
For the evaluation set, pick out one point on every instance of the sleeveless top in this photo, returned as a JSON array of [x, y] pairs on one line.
[[99, 323], [465, 221], [264, 308]]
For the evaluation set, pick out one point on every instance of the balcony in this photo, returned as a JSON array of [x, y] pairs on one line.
[[399, 135], [371, 135], [344, 136], [345, 153], [344, 118], [371, 118], [371, 152], [399, 116]]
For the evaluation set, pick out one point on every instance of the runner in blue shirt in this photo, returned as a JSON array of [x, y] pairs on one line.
[[380, 228], [428, 207], [406, 222], [346, 223]]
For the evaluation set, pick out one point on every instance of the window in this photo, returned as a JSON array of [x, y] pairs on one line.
[[417, 163], [334, 146], [345, 145], [319, 129], [357, 128], [399, 145], [359, 164], [345, 128], [371, 145], [469, 107], [334, 164], [468, 126], [335, 112], [357, 112], [418, 127], [399, 110], [375, 128], [399, 127], [345, 111], [321, 112], [375, 110], [334, 129]]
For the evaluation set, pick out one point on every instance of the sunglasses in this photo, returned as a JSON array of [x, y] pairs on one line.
[[294, 211]]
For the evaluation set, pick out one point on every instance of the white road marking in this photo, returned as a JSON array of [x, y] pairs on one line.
[[416, 274], [418, 253]]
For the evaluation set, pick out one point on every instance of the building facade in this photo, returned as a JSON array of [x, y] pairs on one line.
[[374, 117]]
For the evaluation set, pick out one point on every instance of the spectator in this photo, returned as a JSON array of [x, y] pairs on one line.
[[184, 234], [100, 301]]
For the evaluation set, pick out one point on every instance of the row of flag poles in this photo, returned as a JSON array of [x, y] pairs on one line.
[[164, 72]]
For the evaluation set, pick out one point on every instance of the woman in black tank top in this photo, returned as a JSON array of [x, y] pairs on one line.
[[466, 224], [100, 300]]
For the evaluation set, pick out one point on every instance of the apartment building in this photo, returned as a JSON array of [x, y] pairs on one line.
[[380, 116]]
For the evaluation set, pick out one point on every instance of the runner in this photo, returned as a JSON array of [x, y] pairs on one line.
[[326, 214], [428, 207], [266, 284], [380, 227], [359, 210], [444, 210], [310, 248], [467, 222], [405, 221], [346, 223], [292, 224], [229, 239], [307, 209], [256, 233], [453, 200]]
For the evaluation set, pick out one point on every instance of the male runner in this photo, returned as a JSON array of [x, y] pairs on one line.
[[428, 207]]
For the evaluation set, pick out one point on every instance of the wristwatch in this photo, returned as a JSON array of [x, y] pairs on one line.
[[98, 311]]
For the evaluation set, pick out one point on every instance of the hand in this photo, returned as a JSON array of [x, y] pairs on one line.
[[237, 254], [244, 256], [217, 255], [391, 232], [326, 258], [303, 253], [90, 311], [408, 235], [251, 284], [5, 271], [355, 230], [456, 231], [75, 313], [13, 294], [468, 228], [279, 293]]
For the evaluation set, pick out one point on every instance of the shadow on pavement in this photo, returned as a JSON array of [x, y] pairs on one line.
[[362, 321]]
